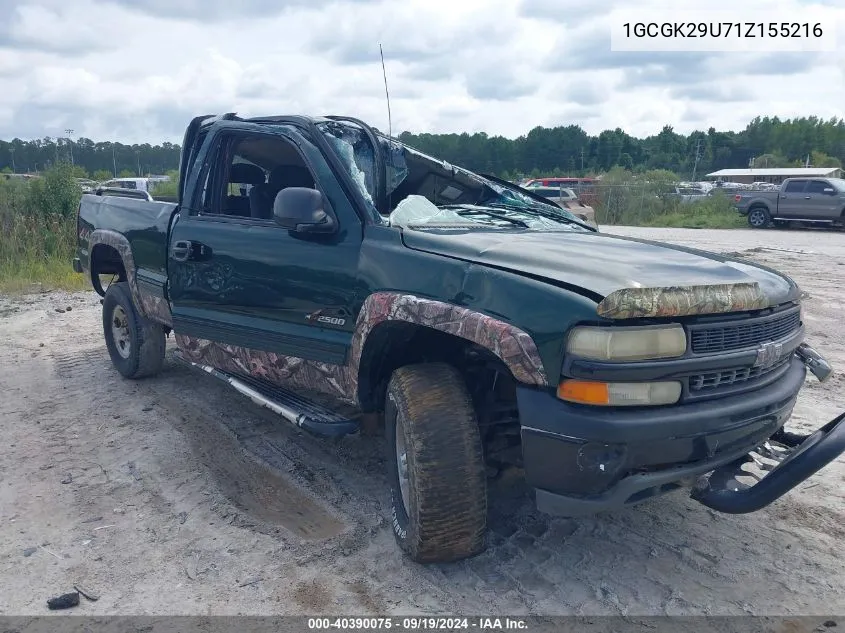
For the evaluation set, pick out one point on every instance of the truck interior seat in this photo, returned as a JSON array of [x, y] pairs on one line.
[[262, 196], [242, 174]]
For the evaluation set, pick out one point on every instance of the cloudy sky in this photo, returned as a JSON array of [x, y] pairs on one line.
[[137, 70]]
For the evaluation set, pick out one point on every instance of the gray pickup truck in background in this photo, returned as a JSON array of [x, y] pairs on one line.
[[798, 200]]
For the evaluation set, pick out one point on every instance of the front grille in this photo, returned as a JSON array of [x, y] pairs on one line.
[[717, 379], [748, 333]]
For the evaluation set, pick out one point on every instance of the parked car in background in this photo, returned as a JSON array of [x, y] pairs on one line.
[[569, 200], [138, 184], [584, 187], [814, 200], [86, 184], [764, 186], [684, 193]]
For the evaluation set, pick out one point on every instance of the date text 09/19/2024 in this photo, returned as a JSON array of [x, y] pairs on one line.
[[417, 623]]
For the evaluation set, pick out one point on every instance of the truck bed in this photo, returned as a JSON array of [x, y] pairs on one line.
[[143, 223]]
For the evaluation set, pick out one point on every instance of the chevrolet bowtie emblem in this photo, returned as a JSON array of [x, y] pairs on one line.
[[768, 354]]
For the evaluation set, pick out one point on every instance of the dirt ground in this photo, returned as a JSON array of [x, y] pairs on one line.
[[176, 495]]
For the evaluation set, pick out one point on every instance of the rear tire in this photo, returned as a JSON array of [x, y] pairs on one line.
[[442, 514], [136, 344], [759, 218]]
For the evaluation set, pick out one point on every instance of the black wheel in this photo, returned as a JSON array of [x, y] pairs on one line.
[[435, 465], [136, 344], [759, 218]]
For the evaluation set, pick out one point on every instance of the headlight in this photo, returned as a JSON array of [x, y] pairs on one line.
[[616, 394], [627, 343]]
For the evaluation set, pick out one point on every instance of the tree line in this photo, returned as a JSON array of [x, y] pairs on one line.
[[562, 150], [97, 160]]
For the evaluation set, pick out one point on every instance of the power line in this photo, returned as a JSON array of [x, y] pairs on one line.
[[69, 131], [697, 157]]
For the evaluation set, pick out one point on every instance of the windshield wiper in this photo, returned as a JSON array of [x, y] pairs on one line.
[[552, 215], [461, 209]]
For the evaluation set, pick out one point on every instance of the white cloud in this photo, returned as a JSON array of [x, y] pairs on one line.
[[138, 71]]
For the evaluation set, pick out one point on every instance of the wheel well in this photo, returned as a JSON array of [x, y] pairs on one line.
[[106, 260], [394, 344], [490, 383], [759, 205]]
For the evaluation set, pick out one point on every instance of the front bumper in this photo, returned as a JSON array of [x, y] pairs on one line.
[[583, 460]]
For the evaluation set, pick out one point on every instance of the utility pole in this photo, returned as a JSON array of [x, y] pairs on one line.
[[138, 155], [69, 131], [113, 161], [697, 157], [12, 152], [582, 159]]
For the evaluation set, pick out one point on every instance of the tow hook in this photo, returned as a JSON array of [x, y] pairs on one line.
[[814, 362]]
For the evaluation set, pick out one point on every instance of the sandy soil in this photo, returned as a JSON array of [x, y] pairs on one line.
[[174, 495]]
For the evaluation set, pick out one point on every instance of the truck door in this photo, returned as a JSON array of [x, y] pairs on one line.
[[237, 277], [791, 199], [819, 205]]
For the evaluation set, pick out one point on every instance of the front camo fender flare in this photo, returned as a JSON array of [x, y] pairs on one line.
[[514, 347]]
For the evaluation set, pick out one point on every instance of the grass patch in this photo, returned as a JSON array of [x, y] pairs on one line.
[[38, 232], [53, 273], [699, 215]]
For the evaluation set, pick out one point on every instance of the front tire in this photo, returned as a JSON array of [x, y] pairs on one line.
[[136, 344], [759, 218], [435, 465]]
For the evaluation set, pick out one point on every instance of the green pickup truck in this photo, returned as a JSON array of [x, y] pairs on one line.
[[353, 284]]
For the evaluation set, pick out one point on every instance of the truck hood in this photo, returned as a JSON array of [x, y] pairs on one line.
[[599, 264]]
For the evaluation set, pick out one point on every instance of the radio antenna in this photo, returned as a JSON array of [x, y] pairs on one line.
[[386, 94], [389, 121]]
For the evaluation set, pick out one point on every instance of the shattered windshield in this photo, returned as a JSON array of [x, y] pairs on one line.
[[423, 191]]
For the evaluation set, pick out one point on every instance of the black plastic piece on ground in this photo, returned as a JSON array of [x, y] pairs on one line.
[[804, 459], [65, 601]]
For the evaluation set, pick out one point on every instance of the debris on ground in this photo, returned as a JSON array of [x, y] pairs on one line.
[[29, 551], [250, 581], [87, 593], [64, 601]]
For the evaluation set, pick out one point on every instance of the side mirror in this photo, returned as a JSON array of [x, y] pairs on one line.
[[304, 210]]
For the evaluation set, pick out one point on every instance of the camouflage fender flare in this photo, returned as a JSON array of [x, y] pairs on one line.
[[152, 307], [513, 346], [676, 301]]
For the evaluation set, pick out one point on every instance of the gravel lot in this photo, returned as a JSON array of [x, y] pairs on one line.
[[174, 495]]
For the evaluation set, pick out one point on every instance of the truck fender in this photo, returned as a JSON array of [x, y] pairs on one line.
[[147, 304], [514, 347]]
